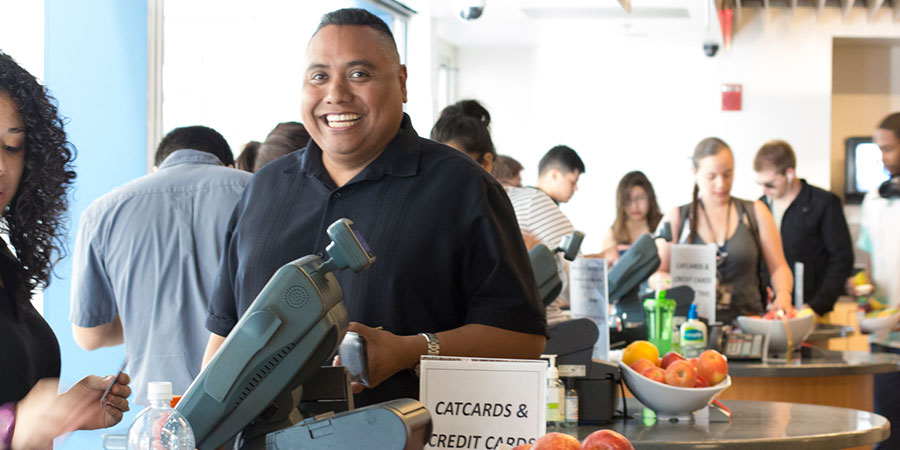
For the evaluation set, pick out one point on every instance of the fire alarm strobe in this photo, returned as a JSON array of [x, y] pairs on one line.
[[731, 97]]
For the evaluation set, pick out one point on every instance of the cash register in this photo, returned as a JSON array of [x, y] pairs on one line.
[[250, 390]]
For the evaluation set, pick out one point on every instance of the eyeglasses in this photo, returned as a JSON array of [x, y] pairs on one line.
[[638, 199]]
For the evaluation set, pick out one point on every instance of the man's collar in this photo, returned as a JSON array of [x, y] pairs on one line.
[[400, 157], [189, 156]]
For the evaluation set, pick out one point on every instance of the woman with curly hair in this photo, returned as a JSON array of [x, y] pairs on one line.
[[35, 174]]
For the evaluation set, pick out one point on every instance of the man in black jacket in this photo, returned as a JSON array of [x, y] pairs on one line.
[[813, 228]]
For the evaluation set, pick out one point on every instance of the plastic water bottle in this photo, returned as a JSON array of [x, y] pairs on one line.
[[159, 427]]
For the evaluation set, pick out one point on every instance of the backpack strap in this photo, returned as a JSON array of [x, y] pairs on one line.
[[747, 209], [684, 211], [762, 271]]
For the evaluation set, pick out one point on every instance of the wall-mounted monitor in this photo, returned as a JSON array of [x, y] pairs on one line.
[[864, 170]]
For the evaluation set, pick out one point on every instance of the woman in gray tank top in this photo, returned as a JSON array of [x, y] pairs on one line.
[[743, 231]]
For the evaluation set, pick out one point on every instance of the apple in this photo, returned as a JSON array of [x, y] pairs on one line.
[[701, 382], [681, 373], [556, 441], [655, 373], [641, 365], [712, 366], [670, 358], [606, 440]]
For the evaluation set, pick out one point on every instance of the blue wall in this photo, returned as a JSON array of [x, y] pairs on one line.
[[95, 64]]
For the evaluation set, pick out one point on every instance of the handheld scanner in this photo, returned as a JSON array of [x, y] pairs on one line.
[[348, 249], [570, 245], [294, 325]]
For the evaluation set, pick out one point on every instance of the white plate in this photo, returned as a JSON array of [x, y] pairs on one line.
[[666, 399], [800, 329]]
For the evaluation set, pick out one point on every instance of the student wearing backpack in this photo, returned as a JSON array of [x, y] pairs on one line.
[[743, 231]]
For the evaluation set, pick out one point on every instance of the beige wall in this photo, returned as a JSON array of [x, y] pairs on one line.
[[865, 88], [643, 103]]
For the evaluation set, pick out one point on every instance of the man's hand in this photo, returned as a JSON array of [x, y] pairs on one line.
[[387, 353]]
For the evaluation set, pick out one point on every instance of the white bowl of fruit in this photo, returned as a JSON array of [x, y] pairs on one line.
[[800, 323], [881, 320], [674, 385]]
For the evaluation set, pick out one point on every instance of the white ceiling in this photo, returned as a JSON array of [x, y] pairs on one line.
[[520, 22]]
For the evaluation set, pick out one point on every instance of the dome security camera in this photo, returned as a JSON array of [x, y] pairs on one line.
[[710, 49], [469, 9]]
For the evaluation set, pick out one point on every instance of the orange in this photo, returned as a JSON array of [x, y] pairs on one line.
[[638, 350]]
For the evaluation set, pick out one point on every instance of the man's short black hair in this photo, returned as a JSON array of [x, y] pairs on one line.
[[892, 123], [562, 158], [196, 137], [356, 16]]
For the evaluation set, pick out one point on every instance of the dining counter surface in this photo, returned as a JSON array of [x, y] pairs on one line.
[[818, 363], [756, 425]]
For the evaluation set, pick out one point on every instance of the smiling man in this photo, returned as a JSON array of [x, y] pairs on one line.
[[450, 278], [812, 224]]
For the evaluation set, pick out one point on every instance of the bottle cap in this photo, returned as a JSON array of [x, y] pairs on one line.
[[692, 312], [159, 390]]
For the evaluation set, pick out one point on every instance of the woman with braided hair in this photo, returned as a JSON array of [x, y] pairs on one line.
[[743, 231]]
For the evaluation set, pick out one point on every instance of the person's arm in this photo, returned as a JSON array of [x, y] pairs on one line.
[[42, 414], [609, 251], [106, 335], [215, 341], [773, 253], [389, 353], [839, 263], [93, 311], [674, 219]]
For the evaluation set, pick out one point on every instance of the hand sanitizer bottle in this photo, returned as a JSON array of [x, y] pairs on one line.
[[556, 398], [693, 335]]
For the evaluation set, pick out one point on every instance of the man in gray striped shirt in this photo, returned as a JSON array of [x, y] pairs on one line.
[[538, 213]]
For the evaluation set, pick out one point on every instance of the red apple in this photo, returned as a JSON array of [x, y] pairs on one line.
[[641, 365], [556, 441], [712, 366], [681, 373], [701, 382], [655, 373], [606, 440], [522, 447], [670, 358]]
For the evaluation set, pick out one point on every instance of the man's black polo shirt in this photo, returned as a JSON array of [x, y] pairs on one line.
[[814, 232], [448, 247]]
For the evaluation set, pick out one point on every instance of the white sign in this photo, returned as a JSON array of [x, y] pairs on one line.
[[589, 297], [694, 265], [480, 403]]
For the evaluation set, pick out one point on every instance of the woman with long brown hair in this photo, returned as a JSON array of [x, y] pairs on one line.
[[637, 213]]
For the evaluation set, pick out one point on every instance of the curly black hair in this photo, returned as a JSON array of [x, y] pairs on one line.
[[35, 217]]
